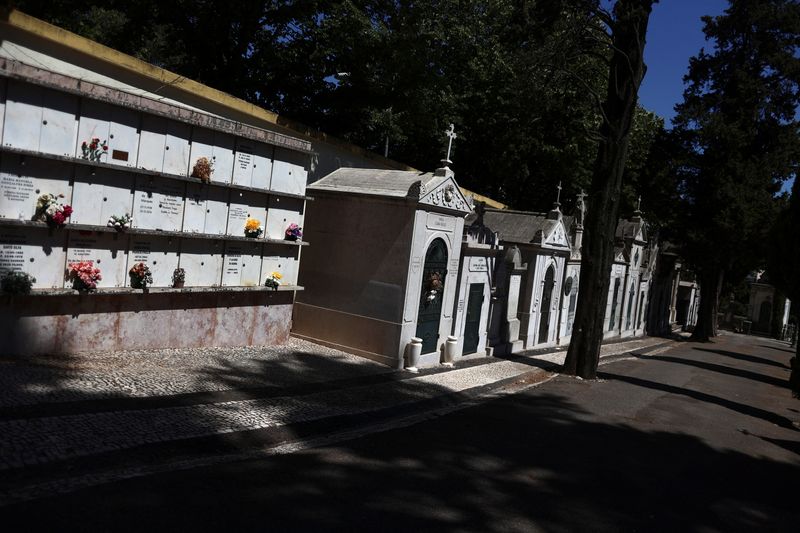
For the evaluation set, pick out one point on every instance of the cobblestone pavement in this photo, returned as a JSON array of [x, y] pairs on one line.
[[147, 373], [41, 440]]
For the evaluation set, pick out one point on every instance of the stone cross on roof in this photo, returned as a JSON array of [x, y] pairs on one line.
[[558, 197], [451, 134]]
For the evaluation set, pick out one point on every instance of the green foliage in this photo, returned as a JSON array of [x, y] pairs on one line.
[[738, 134], [520, 79], [15, 282]]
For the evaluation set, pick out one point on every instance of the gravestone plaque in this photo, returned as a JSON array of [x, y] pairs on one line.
[[244, 205], [118, 126], [478, 264], [282, 212], [243, 162], [158, 203], [152, 140], [99, 193], [108, 251], [176, 148], [23, 179], [202, 261], [283, 259], [290, 171], [513, 295], [216, 146], [160, 254], [206, 209], [40, 119], [94, 122], [242, 264], [35, 251], [262, 166]]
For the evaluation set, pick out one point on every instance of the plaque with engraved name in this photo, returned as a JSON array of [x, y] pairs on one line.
[[36, 252], [158, 203], [22, 180], [160, 254], [108, 251]]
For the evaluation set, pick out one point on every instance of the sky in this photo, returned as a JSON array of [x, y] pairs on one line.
[[674, 34]]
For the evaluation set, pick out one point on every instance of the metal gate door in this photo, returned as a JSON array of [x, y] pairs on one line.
[[431, 295]]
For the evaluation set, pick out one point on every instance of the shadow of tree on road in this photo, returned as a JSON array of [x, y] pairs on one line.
[[742, 357], [744, 409], [520, 463], [729, 371]]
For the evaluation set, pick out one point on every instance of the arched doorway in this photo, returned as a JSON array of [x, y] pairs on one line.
[[764, 315], [432, 295], [547, 300]]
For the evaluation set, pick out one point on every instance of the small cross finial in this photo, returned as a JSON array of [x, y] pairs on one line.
[[451, 134], [558, 196], [639, 204]]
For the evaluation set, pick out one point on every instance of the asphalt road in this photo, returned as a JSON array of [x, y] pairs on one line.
[[697, 438]]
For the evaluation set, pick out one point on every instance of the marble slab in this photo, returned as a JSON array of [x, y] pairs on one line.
[[37, 251], [40, 119], [242, 264], [206, 209], [289, 171], [158, 203], [108, 251], [283, 259], [98, 193], [202, 260], [176, 148], [152, 140], [244, 205], [160, 254], [23, 179], [282, 212]]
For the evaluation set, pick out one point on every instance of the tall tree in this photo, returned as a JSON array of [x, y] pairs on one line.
[[626, 71], [784, 264], [739, 133]]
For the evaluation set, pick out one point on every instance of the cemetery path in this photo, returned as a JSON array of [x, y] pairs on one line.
[[49, 446], [699, 437]]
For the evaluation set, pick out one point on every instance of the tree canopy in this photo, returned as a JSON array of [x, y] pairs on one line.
[[738, 133]]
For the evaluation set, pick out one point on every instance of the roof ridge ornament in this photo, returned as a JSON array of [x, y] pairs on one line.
[[450, 134]]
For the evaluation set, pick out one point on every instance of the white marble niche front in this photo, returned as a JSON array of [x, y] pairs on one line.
[[202, 261], [253, 164], [23, 179], [206, 209], [244, 205], [158, 203], [99, 193], [160, 254], [36, 251], [40, 119], [108, 252], [218, 147], [289, 171], [242, 265], [118, 126], [283, 212], [282, 259]]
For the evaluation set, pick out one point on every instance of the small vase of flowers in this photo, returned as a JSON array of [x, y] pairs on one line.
[[252, 228], [293, 232], [203, 168], [84, 275], [93, 149], [273, 280], [140, 276], [178, 278], [49, 209], [120, 223]]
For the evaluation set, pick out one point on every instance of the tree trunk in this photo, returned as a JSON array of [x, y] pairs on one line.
[[794, 377], [710, 287], [625, 76]]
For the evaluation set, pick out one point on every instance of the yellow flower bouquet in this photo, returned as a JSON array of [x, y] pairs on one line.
[[252, 228], [273, 280]]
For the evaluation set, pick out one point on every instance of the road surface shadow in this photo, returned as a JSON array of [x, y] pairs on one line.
[[744, 409], [728, 371], [787, 350], [742, 357], [525, 462]]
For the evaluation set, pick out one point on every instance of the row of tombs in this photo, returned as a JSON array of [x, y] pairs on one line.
[[404, 263], [400, 261]]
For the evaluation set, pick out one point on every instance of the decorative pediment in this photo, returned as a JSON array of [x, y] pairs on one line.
[[446, 195], [558, 236]]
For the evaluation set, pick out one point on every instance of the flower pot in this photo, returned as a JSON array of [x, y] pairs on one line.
[[291, 238], [177, 284]]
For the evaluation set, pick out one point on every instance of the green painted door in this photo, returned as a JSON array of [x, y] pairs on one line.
[[473, 322], [431, 295]]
